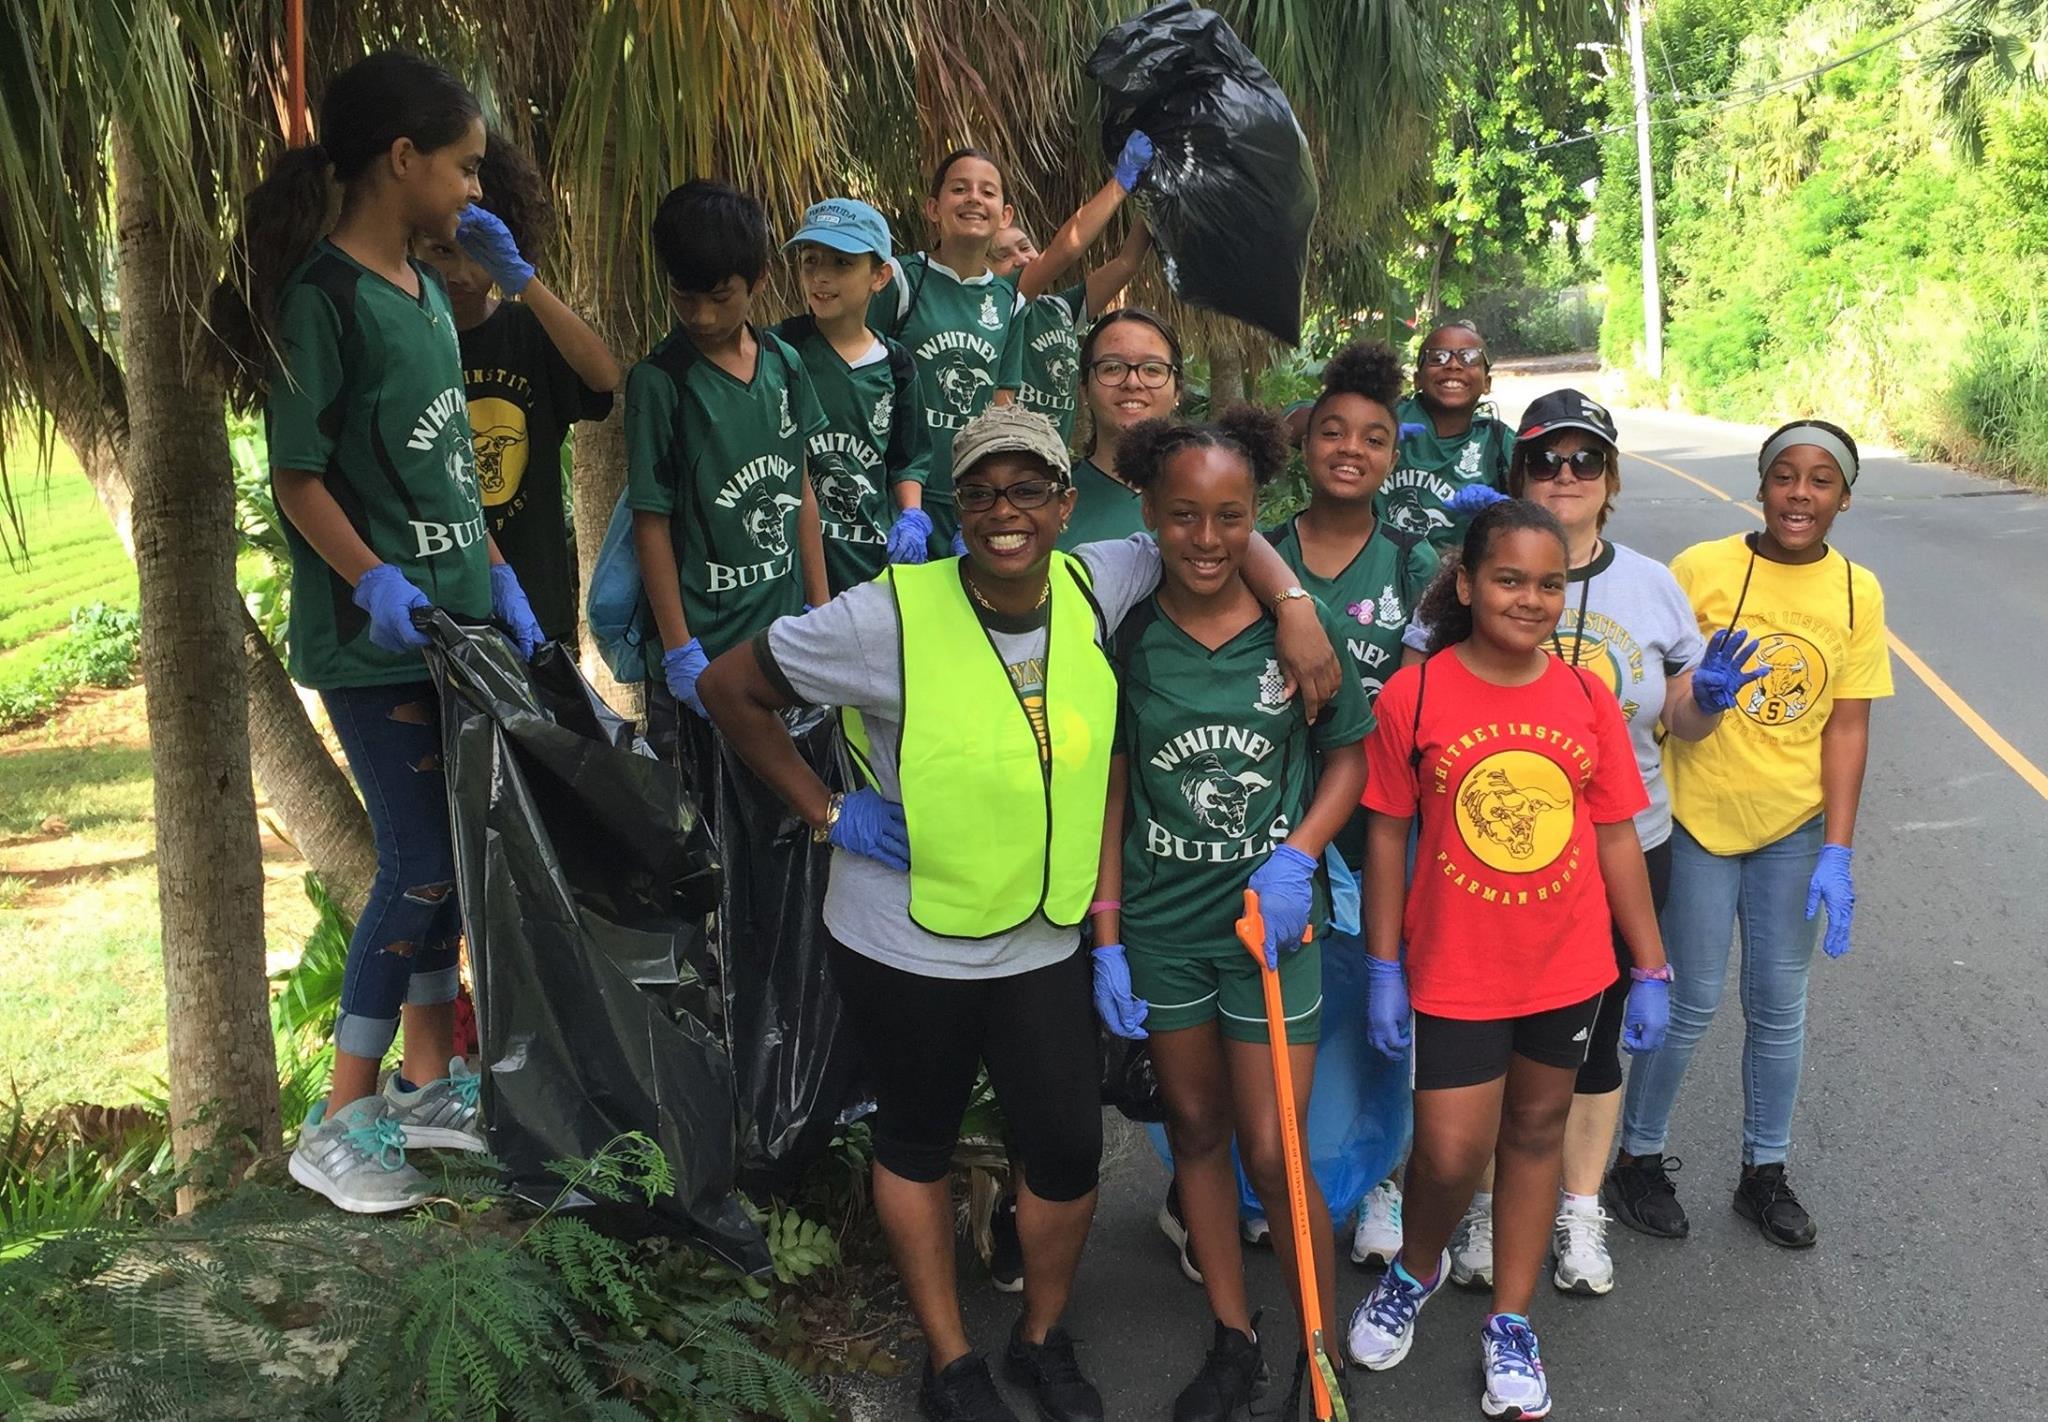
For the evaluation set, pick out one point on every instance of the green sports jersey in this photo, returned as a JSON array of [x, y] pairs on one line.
[[1223, 766], [876, 436], [1048, 331], [724, 459], [366, 392], [958, 331], [1372, 599], [1103, 508], [1431, 469]]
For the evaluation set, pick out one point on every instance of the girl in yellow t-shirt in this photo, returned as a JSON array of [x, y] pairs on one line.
[[1766, 816]]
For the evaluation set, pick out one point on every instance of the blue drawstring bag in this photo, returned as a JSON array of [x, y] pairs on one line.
[[621, 622]]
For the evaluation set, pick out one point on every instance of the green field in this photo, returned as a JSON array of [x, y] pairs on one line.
[[71, 559]]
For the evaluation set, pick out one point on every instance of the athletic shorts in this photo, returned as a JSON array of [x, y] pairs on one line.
[[1187, 991], [1451, 1052]]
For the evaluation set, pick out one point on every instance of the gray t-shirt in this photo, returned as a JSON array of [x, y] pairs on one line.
[[849, 653], [1626, 620]]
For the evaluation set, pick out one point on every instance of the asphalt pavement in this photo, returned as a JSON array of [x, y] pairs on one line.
[[1919, 1145]]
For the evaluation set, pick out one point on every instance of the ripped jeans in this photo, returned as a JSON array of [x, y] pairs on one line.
[[404, 946]]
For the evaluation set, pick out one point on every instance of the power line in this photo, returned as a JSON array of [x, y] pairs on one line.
[[1737, 98]]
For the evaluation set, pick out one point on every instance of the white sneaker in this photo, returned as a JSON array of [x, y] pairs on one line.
[[357, 1159], [442, 1114], [1254, 1231], [1472, 1249], [1378, 1236], [1513, 1365], [1382, 1328], [1579, 1240]]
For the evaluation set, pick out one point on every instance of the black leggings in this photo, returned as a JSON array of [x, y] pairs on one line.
[[1601, 1072], [921, 1039]]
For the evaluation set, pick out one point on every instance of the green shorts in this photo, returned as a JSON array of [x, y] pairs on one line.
[[1186, 991]]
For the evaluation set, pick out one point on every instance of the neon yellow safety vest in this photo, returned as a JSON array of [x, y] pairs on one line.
[[996, 834]]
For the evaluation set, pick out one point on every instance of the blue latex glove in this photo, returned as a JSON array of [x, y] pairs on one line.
[[389, 597], [871, 825], [1412, 429], [1134, 160], [1720, 674], [959, 544], [1386, 1007], [680, 668], [1474, 497], [488, 243], [509, 606], [1121, 1012], [1647, 1015], [1834, 886], [1285, 884], [910, 537]]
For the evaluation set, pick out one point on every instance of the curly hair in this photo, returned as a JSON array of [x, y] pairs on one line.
[[1363, 368], [1247, 430], [517, 194], [1450, 621]]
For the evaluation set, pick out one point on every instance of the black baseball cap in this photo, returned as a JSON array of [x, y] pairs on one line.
[[1566, 410]]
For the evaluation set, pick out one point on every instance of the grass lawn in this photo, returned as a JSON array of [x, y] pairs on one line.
[[72, 559]]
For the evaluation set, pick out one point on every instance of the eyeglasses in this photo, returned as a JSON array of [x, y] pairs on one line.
[[1548, 464], [1152, 374], [1441, 356], [1024, 494]]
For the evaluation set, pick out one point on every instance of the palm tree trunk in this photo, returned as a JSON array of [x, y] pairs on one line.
[[310, 794], [223, 1064], [1226, 374]]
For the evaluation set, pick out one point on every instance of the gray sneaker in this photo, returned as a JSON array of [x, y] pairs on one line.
[[442, 1114], [357, 1159]]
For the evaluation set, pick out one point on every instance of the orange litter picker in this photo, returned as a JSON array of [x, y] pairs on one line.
[[1251, 932]]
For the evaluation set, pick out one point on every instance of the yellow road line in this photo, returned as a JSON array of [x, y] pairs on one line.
[[1982, 729]]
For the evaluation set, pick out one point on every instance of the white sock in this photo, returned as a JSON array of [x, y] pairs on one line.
[[1571, 1204], [1482, 1203]]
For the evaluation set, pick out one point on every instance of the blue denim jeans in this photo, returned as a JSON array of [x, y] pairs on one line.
[[1764, 892], [404, 946]]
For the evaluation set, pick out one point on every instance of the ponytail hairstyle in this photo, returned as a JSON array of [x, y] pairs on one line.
[[1371, 370], [516, 194], [1246, 430], [1450, 621], [940, 173], [368, 107], [1143, 317]]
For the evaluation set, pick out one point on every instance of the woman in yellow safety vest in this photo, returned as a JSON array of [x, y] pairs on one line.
[[964, 870]]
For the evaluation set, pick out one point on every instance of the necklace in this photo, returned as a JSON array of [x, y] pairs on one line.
[[989, 607]]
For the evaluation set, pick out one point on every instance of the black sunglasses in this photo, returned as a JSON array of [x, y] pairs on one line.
[[1548, 464]]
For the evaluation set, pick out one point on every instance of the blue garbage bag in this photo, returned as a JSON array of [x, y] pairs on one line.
[[1359, 1109]]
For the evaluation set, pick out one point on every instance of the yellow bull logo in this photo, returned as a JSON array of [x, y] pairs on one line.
[[1788, 690], [1514, 811], [498, 440], [1505, 814]]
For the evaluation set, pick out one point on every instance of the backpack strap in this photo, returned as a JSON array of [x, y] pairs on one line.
[[1415, 730], [924, 269], [1404, 541]]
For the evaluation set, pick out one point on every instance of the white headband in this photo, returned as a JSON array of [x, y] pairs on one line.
[[1820, 439]]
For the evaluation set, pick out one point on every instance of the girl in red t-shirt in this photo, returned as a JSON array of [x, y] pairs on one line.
[[1520, 769]]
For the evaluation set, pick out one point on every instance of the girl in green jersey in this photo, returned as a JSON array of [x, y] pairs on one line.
[[1220, 784], [1130, 373], [350, 346]]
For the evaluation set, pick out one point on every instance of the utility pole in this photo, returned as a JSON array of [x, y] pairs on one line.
[[1653, 296]]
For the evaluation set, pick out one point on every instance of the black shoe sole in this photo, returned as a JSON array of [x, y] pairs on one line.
[[1620, 1209], [1756, 1217]]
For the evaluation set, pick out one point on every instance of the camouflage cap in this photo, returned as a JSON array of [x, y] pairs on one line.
[[1010, 429]]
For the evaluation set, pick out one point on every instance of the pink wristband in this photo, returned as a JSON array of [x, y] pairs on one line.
[[1100, 904]]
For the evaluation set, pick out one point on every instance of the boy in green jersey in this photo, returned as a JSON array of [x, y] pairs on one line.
[[721, 422], [1449, 443], [867, 386]]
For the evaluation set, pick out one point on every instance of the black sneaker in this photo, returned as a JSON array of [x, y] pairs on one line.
[[1299, 1393], [1231, 1376], [1053, 1374], [1006, 1254], [1640, 1194], [1174, 1225], [964, 1392], [1765, 1195]]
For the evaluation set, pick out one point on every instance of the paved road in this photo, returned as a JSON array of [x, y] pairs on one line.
[[1920, 1143]]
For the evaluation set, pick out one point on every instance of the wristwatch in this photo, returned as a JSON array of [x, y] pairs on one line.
[[1287, 595], [833, 804], [1651, 975]]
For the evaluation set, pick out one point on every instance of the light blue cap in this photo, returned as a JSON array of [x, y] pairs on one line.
[[845, 225]]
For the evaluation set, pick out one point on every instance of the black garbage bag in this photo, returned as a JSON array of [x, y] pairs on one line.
[[586, 878], [792, 1057], [1130, 1082], [1231, 194]]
